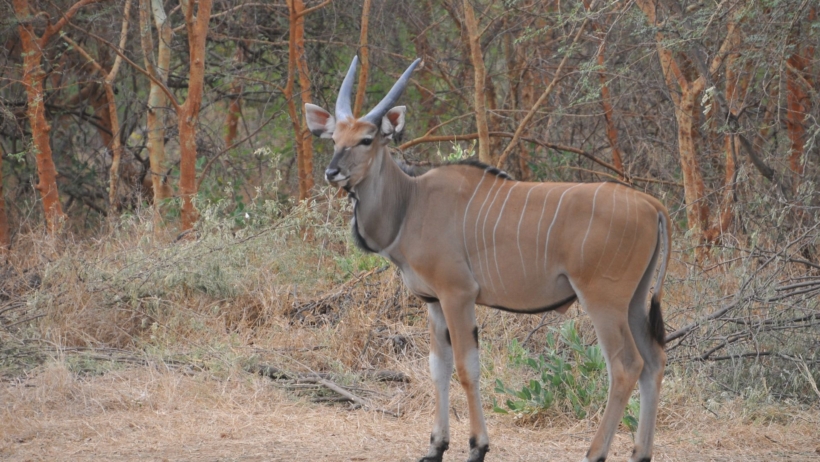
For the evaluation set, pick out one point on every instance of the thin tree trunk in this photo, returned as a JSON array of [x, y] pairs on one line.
[[697, 210], [188, 114], [99, 102], [476, 57], [796, 109], [116, 143], [606, 100], [606, 105], [113, 119], [235, 105], [33, 78], [547, 91], [364, 57], [296, 65], [737, 82], [33, 83], [686, 114], [5, 239], [156, 97]]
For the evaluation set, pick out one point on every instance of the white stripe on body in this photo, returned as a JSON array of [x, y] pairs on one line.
[[555, 217], [497, 221], [637, 224], [477, 218], [606, 241], [464, 221], [621, 241], [589, 226], [484, 237], [538, 231], [518, 235]]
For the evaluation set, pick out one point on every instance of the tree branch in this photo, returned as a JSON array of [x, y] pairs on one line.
[[544, 95], [314, 8], [161, 85]]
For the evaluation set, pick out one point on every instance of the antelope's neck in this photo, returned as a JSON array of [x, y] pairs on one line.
[[382, 199]]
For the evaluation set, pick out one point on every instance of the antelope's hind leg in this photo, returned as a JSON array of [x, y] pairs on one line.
[[654, 362], [624, 364], [441, 369]]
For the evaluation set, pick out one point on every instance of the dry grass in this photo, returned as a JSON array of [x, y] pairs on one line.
[[144, 343], [151, 413]]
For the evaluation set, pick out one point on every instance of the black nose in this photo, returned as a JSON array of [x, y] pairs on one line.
[[331, 172]]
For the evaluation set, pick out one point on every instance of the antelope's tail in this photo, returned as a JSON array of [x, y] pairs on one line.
[[656, 326]]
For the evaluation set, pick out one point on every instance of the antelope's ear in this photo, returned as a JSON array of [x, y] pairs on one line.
[[393, 123], [319, 121]]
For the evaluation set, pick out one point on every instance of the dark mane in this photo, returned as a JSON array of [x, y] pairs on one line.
[[411, 170], [487, 168], [418, 170]]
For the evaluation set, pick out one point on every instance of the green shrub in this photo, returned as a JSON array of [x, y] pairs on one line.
[[570, 377]]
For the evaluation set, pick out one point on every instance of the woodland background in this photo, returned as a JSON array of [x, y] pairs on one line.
[[162, 202]]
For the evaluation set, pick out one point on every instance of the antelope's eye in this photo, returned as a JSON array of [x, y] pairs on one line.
[[366, 141]]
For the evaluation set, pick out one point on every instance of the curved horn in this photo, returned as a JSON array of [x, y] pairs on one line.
[[376, 114], [343, 110]]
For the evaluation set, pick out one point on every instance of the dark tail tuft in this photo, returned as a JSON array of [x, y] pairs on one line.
[[656, 326]]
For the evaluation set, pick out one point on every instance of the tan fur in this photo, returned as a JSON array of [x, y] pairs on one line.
[[463, 235]]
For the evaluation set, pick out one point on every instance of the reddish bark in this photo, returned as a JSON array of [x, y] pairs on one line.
[[33, 83], [364, 57], [797, 100], [99, 101], [737, 83], [480, 75], [697, 210], [235, 105], [687, 109], [606, 105], [606, 99], [5, 240], [188, 113], [297, 65]]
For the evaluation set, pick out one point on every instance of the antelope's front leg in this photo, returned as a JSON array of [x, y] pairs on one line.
[[441, 369], [461, 321]]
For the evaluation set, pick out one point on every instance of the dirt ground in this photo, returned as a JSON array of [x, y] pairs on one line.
[[143, 414]]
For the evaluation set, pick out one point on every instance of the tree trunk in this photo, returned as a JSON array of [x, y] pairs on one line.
[[606, 100], [606, 105], [99, 102], [5, 239], [737, 82], [156, 97], [188, 113], [33, 77], [796, 109], [235, 105], [364, 58], [697, 209], [476, 57], [116, 144], [297, 64]]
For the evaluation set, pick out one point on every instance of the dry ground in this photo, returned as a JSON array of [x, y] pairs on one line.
[[144, 413]]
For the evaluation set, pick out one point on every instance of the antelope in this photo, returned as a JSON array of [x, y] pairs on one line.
[[465, 234]]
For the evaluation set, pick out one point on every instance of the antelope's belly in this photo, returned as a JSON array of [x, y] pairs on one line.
[[532, 294]]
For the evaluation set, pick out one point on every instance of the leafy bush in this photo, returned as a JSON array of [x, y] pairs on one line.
[[570, 377]]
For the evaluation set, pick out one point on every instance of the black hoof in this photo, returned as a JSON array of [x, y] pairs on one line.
[[477, 453], [436, 451], [436, 458]]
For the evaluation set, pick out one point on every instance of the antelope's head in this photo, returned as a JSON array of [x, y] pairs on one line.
[[356, 142]]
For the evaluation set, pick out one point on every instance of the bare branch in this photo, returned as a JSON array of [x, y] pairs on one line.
[[544, 95]]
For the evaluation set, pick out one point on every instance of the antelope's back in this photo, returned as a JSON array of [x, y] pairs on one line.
[[530, 245]]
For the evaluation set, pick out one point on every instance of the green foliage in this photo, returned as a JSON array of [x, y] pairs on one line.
[[459, 153], [570, 377]]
